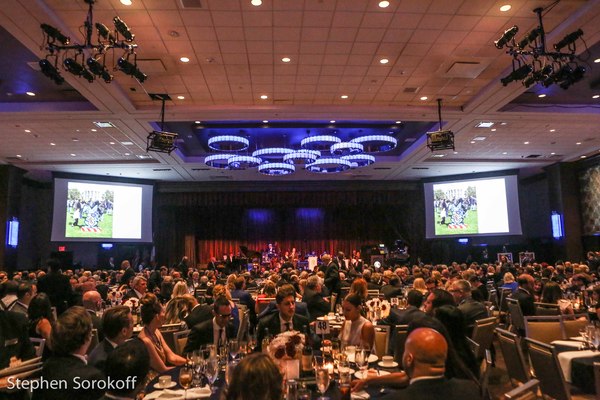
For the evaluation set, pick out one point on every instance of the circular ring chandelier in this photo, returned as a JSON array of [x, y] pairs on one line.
[[361, 160], [272, 152], [329, 165], [276, 169], [319, 142], [219, 161], [376, 143], [243, 162], [302, 156], [228, 143], [346, 148]]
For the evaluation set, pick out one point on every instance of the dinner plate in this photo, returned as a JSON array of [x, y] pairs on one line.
[[359, 374], [393, 364], [171, 384], [372, 358]]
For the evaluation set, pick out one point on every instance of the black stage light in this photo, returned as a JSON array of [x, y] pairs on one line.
[[530, 37], [77, 69], [560, 75], [123, 29], [99, 69], [517, 74], [537, 76], [131, 69], [569, 39], [105, 33], [573, 78], [51, 72], [506, 37], [55, 34]]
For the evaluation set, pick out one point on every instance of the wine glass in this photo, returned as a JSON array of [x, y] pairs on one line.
[[252, 342], [211, 370], [361, 358], [229, 370], [185, 378], [234, 348], [322, 378]]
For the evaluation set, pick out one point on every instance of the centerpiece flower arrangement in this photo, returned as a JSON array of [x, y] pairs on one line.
[[287, 346], [132, 303], [114, 296], [378, 309]]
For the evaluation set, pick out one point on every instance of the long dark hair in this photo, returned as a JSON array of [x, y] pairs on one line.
[[40, 307]]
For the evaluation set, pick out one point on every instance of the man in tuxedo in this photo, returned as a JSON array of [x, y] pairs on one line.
[[332, 275], [118, 327], [25, 292], [128, 273], [424, 362], [57, 286], [139, 287], [70, 338], [14, 338], [317, 306], [198, 312], [393, 288], [129, 363], [92, 302], [285, 319], [412, 312], [524, 294], [215, 331], [471, 309]]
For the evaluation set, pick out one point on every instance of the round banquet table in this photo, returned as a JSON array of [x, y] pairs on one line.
[[582, 373]]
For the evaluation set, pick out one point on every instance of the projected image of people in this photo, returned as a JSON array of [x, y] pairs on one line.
[[455, 208], [89, 211]]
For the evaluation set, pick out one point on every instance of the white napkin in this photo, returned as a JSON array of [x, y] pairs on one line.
[[567, 343], [566, 357], [362, 395], [167, 394]]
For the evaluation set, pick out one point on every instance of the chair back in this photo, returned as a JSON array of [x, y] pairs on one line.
[[94, 341], [382, 340], [504, 296], [180, 339], [168, 332], [374, 293], [473, 346], [24, 369], [547, 370], [244, 323], [484, 381], [545, 329], [263, 303], [546, 309], [572, 324], [527, 391], [332, 302], [399, 337], [597, 378], [483, 334], [516, 314], [38, 345], [344, 291], [510, 346]]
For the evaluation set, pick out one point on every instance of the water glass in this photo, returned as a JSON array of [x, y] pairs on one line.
[[234, 348], [231, 365], [322, 377]]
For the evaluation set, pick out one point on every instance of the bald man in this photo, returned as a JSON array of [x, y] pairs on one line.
[[92, 301], [424, 362]]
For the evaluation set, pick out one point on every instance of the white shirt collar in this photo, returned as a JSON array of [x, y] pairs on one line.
[[82, 358], [424, 378], [283, 324]]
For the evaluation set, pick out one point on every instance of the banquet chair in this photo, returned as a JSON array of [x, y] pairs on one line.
[[547, 370], [483, 334], [484, 381], [168, 331], [38, 345], [473, 346], [597, 378], [546, 309], [263, 303], [510, 346], [399, 340], [372, 294], [527, 391], [517, 321], [180, 339], [572, 324], [332, 302], [382, 339], [545, 329], [244, 324], [94, 341]]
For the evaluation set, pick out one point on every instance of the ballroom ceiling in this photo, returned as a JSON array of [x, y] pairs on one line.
[[236, 79]]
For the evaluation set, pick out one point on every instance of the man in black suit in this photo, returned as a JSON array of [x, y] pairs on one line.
[[332, 275], [317, 306], [129, 363], [14, 338], [139, 287], [129, 272], [70, 338], [215, 331], [198, 313], [424, 362], [118, 327], [524, 294], [471, 309], [285, 319], [92, 301], [56, 286], [245, 297], [393, 288], [414, 300]]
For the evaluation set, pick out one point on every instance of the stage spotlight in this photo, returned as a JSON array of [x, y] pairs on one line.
[[537, 76], [573, 78], [77, 69], [131, 69], [529, 38], [55, 34], [558, 76], [105, 33], [99, 69], [51, 72], [569, 39], [506, 37], [517, 74], [123, 29]]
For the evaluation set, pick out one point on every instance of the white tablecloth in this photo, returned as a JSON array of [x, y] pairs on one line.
[[565, 358]]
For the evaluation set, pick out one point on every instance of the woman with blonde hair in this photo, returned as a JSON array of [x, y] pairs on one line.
[[419, 285], [509, 282], [176, 310], [179, 289]]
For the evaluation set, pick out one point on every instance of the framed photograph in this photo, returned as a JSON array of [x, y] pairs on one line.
[[509, 256], [526, 257]]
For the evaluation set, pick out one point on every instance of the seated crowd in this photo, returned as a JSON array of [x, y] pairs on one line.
[[442, 304]]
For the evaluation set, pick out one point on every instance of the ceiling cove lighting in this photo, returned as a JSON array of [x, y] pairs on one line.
[[228, 143], [376, 143], [319, 142], [302, 156], [243, 162], [272, 152], [360, 160], [346, 148], [218, 161], [58, 46], [276, 169], [329, 165], [532, 63]]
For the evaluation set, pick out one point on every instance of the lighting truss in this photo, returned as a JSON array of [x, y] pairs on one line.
[[88, 60], [533, 63]]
